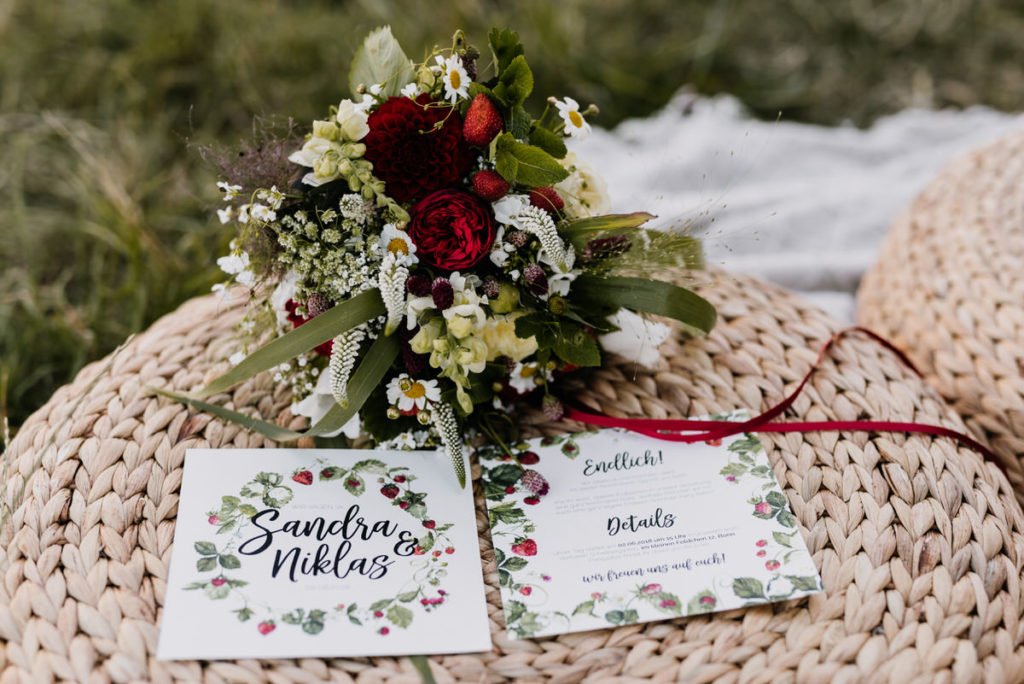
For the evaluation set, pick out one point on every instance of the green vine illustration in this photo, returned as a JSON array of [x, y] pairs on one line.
[[421, 592]]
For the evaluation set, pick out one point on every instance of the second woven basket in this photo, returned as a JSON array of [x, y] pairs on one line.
[[949, 290], [920, 544]]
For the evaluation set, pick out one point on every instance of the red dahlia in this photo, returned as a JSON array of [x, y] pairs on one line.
[[412, 157], [452, 230]]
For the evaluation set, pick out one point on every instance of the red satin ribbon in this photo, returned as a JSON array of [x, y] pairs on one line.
[[689, 431]]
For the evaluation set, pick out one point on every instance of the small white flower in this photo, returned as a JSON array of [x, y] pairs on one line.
[[243, 214], [236, 358], [367, 103], [398, 242], [455, 78], [411, 91], [233, 264], [376, 89], [508, 209], [316, 405], [575, 125], [263, 213], [273, 197], [230, 191], [225, 215], [408, 394]]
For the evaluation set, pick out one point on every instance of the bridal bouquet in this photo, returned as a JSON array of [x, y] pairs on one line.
[[431, 254]]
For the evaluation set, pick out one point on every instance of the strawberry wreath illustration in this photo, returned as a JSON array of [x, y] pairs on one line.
[[269, 492], [431, 255]]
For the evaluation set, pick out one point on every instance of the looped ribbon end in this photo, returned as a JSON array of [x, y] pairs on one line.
[[692, 431]]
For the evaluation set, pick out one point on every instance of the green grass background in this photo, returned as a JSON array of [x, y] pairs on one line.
[[105, 205]]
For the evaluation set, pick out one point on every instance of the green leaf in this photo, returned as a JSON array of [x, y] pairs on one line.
[[515, 563], [312, 626], [379, 604], [206, 563], [505, 475], [777, 499], [552, 143], [499, 556], [783, 539], [400, 616], [748, 588], [380, 59], [630, 616], [243, 614], [504, 578], [515, 83], [426, 542], [518, 122], [786, 519], [585, 608], [616, 617], [217, 593], [205, 548], [408, 596], [230, 562], [573, 345], [371, 465], [525, 164], [647, 296], [375, 364], [344, 316], [506, 47], [248, 510], [801, 583], [294, 617]]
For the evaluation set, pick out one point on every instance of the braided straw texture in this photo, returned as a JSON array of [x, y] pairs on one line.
[[919, 543], [949, 290]]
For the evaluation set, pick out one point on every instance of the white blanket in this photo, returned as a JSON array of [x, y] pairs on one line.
[[804, 206]]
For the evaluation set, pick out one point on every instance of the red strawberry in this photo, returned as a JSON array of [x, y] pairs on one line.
[[403, 505], [437, 553], [546, 199], [450, 550], [762, 553], [489, 185], [399, 479], [429, 524], [390, 491], [213, 520], [353, 484], [707, 600], [378, 614], [527, 547], [526, 591], [303, 477], [761, 542], [327, 473], [384, 631], [531, 501], [218, 581], [266, 627], [510, 490], [773, 565], [482, 121]]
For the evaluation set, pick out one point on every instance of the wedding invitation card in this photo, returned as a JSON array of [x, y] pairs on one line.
[[601, 529], [284, 553]]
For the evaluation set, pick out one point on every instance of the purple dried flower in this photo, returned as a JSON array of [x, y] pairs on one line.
[[517, 237], [443, 293], [491, 287], [536, 280], [316, 304], [552, 407], [418, 285]]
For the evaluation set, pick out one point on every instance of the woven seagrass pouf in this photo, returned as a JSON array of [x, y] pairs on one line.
[[919, 543], [949, 290]]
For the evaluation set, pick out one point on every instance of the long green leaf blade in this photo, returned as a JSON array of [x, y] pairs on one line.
[[348, 314], [648, 296], [580, 231], [368, 375]]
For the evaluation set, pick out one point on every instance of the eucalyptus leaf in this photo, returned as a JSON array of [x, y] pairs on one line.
[[380, 60]]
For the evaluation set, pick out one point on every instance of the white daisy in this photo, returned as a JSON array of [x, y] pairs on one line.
[[398, 242], [523, 378], [575, 125], [408, 394], [455, 77]]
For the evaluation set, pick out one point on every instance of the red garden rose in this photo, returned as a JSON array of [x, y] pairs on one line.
[[409, 155], [452, 230]]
